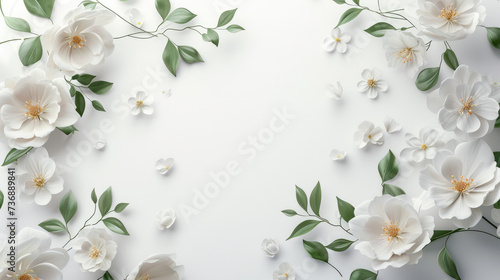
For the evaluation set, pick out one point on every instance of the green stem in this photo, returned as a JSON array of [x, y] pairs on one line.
[[84, 226], [11, 40], [489, 222], [335, 269]]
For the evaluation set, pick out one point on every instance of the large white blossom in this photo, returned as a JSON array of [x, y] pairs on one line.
[[422, 147], [391, 232], [404, 50], [94, 250], [462, 181], [156, 267]]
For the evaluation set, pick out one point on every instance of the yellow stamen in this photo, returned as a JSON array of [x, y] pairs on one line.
[[449, 13], [39, 181], [77, 41], [94, 253], [337, 39], [144, 277], [392, 231], [467, 106], [139, 103], [461, 186], [423, 147], [34, 110], [27, 277], [370, 136], [286, 275], [371, 82], [406, 54]]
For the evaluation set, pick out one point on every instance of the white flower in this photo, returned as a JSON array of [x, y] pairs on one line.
[[35, 259], [391, 125], [404, 50], [463, 181], [33, 106], [371, 83], [495, 87], [156, 267], [39, 179], [270, 247], [391, 232], [100, 144], [165, 219], [142, 102], [423, 147], [285, 272], [337, 41], [135, 17], [450, 19], [164, 165], [368, 133], [334, 90], [94, 249], [82, 42], [337, 154]]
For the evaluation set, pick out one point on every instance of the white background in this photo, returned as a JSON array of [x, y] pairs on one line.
[[277, 63]]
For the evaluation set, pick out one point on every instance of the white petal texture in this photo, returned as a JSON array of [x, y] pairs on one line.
[[337, 41], [270, 247], [390, 231], [334, 90], [94, 249], [423, 147], [141, 103], [165, 219], [285, 272], [156, 267], [391, 125], [404, 50], [135, 17], [337, 155], [371, 84], [368, 133], [164, 165]]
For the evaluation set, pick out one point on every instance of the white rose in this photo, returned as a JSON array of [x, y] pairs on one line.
[[270, 247], [165, 219]]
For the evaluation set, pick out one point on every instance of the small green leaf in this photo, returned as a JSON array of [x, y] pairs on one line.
[[379, 29], [190, 54], [493, 34], [316, 250], [17, 24], [53, 225], [363, 274], [68, 206], [90, 5], [15, 154], [234, 28], [211, 36], [115, 225], [301, 196], [1, 199], [427, 78], [100, 87], [72, 91], [349, 15], [105, 201], [392, 190], [447, 264], [93, 196], [315, 199], [107, 276], [30, 51], [346, 210], [120, 207], [497, 124], [98, 106], [226, 17], [450, 59], [303, 228], [80, 103], [181, 16], [41, 8], [356, 2], [289, 212], [171, 57], [339, 1], [340, 245], [163, 8], [85, 79], [438, 234], [497, 205], [68, 129], [388, 167]]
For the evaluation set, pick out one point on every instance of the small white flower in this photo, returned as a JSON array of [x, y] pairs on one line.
[[404, 50], [337, 154], [285, 272], [94, 249], [39, 179], [337, 41], [156, 267], [165, 219], [368, 133], [270, 247], [167, 93], [371, 83], [100, 144], [164, 165], [334, 90], [423, 147], [142, 102], [391, 125], [135, 17]]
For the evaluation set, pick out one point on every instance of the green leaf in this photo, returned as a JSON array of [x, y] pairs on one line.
[[363, 274], [392, 190], [356, 2], [53, 225], [107, 276], [303, 228], [497, 205], [120, 207], [72, 91], [289, 212], [349, 15], [181, 15], [85, 79], [226, 17], [115, 225], [497, 124], [493, 34], [17, 24], [90, 5], [301, 196], [234, 28], [438, 234], [315, 199], [41, 8], [339, 1], [447, 265], [98, 106], [316, 250], [30, 51], [450, 59], [427, 78], [68, 129], [1, 199], [379, 29], [100, 87], [388, 167], [68, 206], [163, 8], [171, 57], [190, 54], [15, 154], [93, 196], [211, 36], [105, 201], [346, 210], [80, 103], [340, 245]]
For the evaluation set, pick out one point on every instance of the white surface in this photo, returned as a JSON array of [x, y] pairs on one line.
[[218, 106]]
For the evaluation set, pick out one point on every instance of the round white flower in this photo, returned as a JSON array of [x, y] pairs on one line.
[[337, 155], [337, 41], [391, 125], [142, 102], [135, 17], [450, 19], [33, 106], [404, 50], [371, 83], [164, 165], [39, 179], [165, 219], [285, 272], [368, 133], [423, 147], [391, 232], [463, 181], [156, 267], [94, 249], [270, 247], [334, 90]]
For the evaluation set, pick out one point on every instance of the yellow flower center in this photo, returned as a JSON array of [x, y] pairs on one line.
[[39, 181], [139, 103], [94, 253], [370, 136], [392, 231], [423, 147], [286, 275], [34, 110], [27, 277], [449, 13], [467, 106], [77, 41], [144, 277], [337, 39], [371, 82], [406, 54], [461, 186]]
